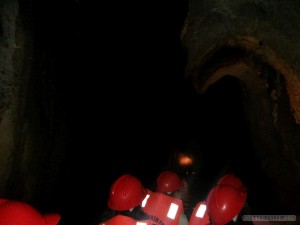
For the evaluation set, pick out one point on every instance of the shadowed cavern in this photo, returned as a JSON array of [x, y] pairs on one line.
[[219, 79]]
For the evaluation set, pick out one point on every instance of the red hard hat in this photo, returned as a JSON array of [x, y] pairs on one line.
[[126, 193], [125, 220], [224, 202], [168, 181], [232, 180], [20, 213]]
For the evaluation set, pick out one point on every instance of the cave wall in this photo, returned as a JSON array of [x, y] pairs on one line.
[[31, 130], [269, 30], [13, 73], [254, 41]]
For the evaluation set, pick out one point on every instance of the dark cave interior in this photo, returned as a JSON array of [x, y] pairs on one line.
[[128, 106], [215, 120]]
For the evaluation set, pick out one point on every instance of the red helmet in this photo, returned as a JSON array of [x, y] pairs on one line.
[[20, 213], [126, 193], [224, 202], [168, 181], [232, 180], [125, 220]]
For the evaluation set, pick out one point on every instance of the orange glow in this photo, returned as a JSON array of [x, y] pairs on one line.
[[185, 160]]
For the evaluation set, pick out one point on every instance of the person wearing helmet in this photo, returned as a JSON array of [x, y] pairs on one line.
[[169, 182], [125, 220], [233, 181], [165, 204], [227, 202], [14, 212], [213, 209], [224, 203], [125, 197]]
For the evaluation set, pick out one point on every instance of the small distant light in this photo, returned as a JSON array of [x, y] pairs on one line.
[[185, 160]]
